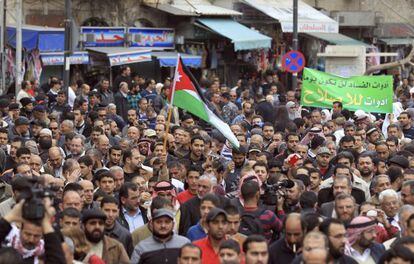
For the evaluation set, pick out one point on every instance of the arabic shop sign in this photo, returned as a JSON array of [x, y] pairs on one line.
[[129, 57], [369, 93], [103, 36], [57, 58], [162, 38]]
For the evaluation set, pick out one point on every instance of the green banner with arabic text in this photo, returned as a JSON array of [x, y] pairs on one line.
[[368, 93]]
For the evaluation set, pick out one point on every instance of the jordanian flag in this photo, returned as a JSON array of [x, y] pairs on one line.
[[186, 94]]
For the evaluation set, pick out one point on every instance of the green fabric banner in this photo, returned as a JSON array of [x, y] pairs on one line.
[[368, 93]]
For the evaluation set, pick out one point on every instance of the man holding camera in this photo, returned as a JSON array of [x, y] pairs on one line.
[[269, 222], [36, 238]]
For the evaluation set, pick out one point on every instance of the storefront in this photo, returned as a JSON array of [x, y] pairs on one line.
[[148, 51], [227, 48], [234, 50], [316, 30], [396, 37], [35, 41], [53, 63]]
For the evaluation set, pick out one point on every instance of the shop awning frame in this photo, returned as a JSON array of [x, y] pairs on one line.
[[338, 39], [169, 59], [121, 55], [309, 19], [397, 41], [193, 8], [241, 36], [46, 39]]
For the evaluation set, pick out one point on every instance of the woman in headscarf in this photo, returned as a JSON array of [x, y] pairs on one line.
[[294, 111], [389, 119], [326, 116]]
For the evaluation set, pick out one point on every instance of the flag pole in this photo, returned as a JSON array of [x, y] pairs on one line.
[[170, 107]]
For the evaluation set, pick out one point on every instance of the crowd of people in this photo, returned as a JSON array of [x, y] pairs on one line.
[[90, 175]]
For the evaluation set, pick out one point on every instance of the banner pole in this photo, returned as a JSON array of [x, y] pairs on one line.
[[167, 128], [170, 108]]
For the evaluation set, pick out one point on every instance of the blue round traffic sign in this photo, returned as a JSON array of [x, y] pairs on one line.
[[293, 61]]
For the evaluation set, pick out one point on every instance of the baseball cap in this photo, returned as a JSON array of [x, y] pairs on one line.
[[214, 213], [150, 133], [39, 108], [163, 212], [21, 120], [360, 114], [254, 149], [323, 150]]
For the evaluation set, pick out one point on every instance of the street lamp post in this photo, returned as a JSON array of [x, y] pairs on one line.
[[68, 45], [19, 77]]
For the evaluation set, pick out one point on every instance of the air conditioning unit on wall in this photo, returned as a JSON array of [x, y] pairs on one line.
[[354, 18]]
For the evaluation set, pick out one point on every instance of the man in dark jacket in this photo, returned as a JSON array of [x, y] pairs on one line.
[[264, 109], [131, 215], [60, 106], [105, 92], [335, 230], [121, 102], [285, 249], [125, 76], [113, 228], [110, 250], [341, 184], [190, 210]]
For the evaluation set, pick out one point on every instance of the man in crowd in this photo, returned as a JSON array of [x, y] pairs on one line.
[[113, 229], [163, 246], [110, 250], [217, 225], [335, 231], [132, 215], [361, 237], [286, 248]]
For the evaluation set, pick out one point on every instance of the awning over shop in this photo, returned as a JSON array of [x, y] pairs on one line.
[[121, 55], [57, 58], [193, 8], [395, 30], [169, 59], [309, 19], [243, 37], [338, 39], [46, 39], [397, 41]]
